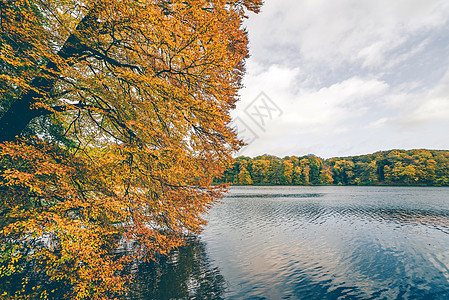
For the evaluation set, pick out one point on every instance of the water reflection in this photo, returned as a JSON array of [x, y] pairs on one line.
[[346, 243], [267, 195], [437, 219], [310, 243], [186, 273]]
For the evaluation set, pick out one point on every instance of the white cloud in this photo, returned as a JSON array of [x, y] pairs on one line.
[[430, 106], [276, 81], [351, 76], [378, 123], [330, 106], [322, 112], [346, 31], [431, 110]]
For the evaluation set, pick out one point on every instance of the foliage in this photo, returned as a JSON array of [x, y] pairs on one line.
[[186, 273], [113, 123], [395, 167]]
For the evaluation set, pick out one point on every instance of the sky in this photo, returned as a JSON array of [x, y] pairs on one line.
[[346, 77]]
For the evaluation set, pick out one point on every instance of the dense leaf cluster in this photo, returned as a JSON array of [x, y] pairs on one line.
[[394, 167], [113, 123]]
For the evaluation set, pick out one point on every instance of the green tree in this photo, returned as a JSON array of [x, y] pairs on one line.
[[315, 165], [343, 171], [367, 172]]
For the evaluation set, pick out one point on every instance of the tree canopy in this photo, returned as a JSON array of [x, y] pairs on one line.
[[113, 123], [394, 167]]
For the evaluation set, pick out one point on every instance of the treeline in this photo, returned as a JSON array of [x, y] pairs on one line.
[[394, 167]]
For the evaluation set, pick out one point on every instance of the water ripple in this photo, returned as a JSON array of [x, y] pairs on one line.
[[333, 243], [280, 195]]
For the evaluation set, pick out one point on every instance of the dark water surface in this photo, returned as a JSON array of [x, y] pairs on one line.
[[316, 243]]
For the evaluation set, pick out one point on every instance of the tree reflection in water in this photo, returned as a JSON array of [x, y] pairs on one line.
[[186, 273]]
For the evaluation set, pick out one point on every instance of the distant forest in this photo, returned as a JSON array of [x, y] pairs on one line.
[[394, 167]]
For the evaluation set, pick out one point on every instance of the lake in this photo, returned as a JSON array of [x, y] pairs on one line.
[[330, 242]]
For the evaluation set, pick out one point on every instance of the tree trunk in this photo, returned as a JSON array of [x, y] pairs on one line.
[[21, 112]]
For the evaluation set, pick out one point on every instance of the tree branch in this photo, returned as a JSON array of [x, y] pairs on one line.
[[21, 112]]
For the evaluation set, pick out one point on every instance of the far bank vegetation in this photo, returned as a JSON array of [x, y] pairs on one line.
[[394, 167]]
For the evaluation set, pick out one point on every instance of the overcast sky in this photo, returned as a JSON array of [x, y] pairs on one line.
[[346, 77]]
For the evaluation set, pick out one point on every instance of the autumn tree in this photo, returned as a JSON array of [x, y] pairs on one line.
[[244, 177], [343, 170], [113, 123], [326, 175], [261, 167], [394, 167], [287, 171], [442, 168]]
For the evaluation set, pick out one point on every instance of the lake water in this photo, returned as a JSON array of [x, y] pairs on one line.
[[313, 243]]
